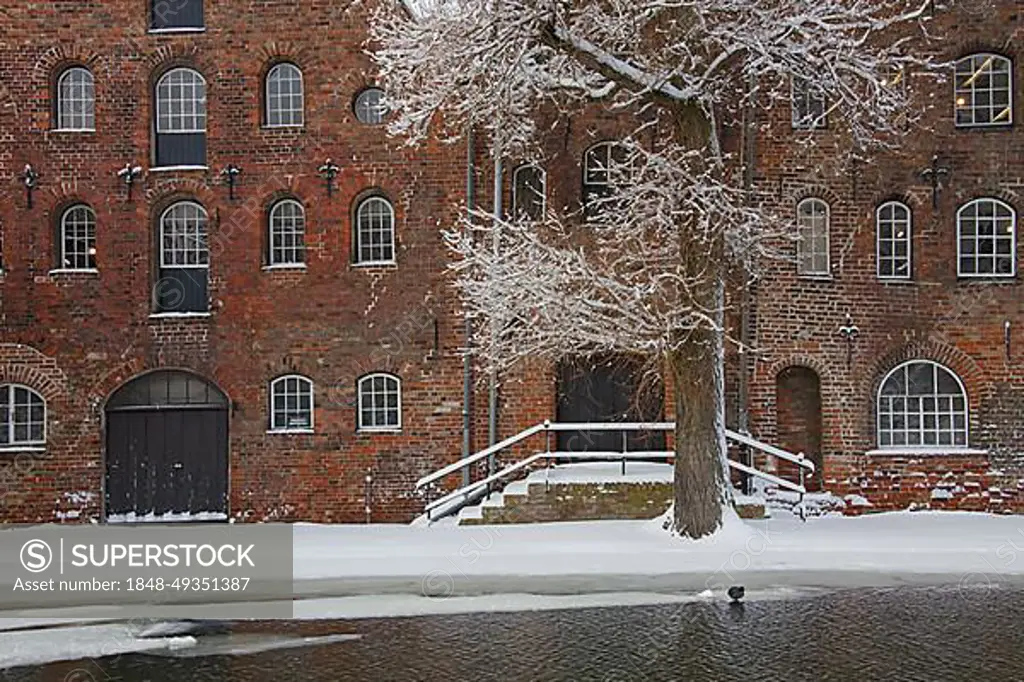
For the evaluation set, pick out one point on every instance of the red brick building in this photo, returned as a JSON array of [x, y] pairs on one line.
[[223, 290]]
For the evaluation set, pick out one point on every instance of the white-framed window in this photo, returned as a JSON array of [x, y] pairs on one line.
[[22, 416], [78, 238], [922, 404], [529, 191], [983, 90], [182, 286], [809, 105], [893, 229], [181, 118], [604, 165], [284, 96], [76, 100], [812, 246], [375, 231], [380, 403], [287, 238], [986, 239], [291, 403], [369, 106]]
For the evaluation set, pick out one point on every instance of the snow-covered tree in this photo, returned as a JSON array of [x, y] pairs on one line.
[[646, 272]]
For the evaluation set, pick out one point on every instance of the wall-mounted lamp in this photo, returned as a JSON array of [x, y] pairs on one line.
[[31, 179], [934, 175], [129, 174], [329, 171], [849, 332], [231, 173]]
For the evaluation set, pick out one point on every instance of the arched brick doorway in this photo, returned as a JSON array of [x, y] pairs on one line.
[[167, 450], [798, 419]]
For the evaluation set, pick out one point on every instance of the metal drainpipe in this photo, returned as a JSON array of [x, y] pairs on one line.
[[743, 388], [492, 397], [467, 364]]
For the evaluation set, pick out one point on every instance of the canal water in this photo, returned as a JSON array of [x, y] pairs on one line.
[[903, 634]]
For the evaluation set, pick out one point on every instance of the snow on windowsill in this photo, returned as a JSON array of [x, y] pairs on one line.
[[295, 127], [301, 267], [286, 432], [930, 451], [810, 277], [372, 431], [897, 280], [73, 130], [169, 517], [178, 29], [387, 264], [15, 449], [74, 271], [172, 316], [172, 169]]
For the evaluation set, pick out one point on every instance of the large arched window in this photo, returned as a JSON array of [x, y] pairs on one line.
[[529, 189], [983, 90], [812, 247], [22, 416], [78, 238], [283, 96], [375, 231], [181, 118], [922, 404], [603, 169], [380, 403], [287, 238], [893, 239], [291, 404], [184, 260], [76, 100], [986, 239]]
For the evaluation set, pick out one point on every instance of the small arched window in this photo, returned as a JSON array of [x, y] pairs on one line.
[[291, 404], [181, 118], [986, 239], [603, 168], [78, 238], [287, 238], [184, 260], [76, 100], [22, 416], [375, 231], [284, 96], [380, 403], [529, 190], [983, 90], [893, 225], [812, 247], [922, 404], [369, 106]]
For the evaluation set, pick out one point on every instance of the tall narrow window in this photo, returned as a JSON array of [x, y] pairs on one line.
[[380, 403], [291, 404], [809, 105], [375, 231], [22, 416], [78, 238], [812, 247], [176, 15], [184, 260], [181, 119], [369, 106], [284, 96], [287, 233], [529, 188], [76, 100], [986, 239], [603, 168], [893, 229], [983, 91], [922, 404]]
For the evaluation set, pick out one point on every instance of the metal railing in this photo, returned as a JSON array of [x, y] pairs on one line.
[[451, 502]]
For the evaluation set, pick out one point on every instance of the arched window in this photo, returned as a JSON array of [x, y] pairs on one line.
[[983, 90], [809, 105], [291, 404], [78, 238], [287, 237], [76, 100], [380, 403], [603, 168], [184, 260], [375, 231], [893, 234], [181, 119], [812, 247], [283, 96], [922, 404], [22, 416], [986, 239], [369, 106], [529, 189]]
